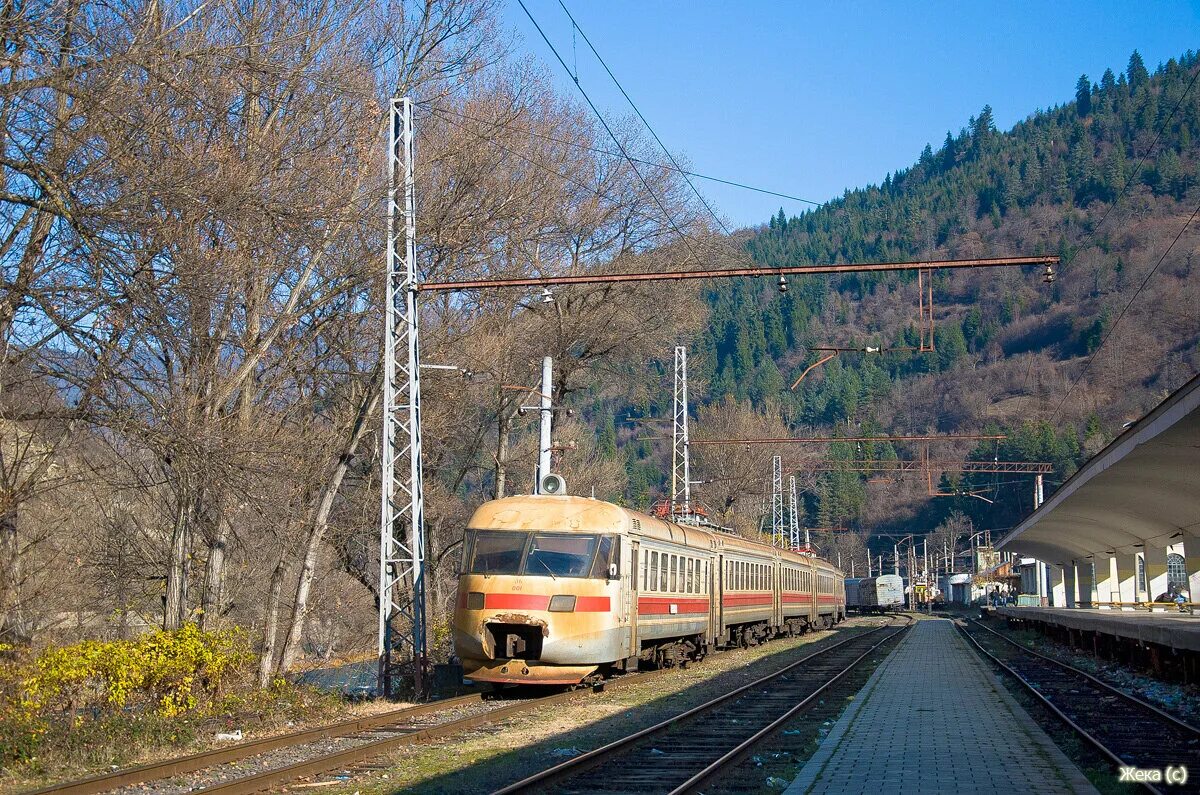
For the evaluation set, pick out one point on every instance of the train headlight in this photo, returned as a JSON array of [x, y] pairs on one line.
[[562, 603], [474, 600]]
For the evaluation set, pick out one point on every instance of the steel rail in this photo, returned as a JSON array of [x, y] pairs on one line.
[[1178, 722], [1058, 713], [582, 761], [719, 273], [742, 748], [233, 753], [339, 759]]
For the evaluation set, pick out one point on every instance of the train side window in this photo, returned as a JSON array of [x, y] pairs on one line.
[[653, 586], [691, 576], [674, 573], [662, 571]]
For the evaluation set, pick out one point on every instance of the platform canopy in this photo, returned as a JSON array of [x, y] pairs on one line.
[[1144, 488]]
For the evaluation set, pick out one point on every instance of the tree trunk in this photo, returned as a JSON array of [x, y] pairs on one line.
[[319, 522], [266, 660], [13, 626], [503, 433], [175, 607], [212, 601]]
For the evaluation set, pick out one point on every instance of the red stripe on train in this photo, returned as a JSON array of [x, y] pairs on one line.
[[592, 604], [518, 601], [661, 606], [515, 601], [749, 599]]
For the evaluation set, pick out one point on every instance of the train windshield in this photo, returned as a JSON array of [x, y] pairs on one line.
[[560, 555], [537, 554], [495, 552]]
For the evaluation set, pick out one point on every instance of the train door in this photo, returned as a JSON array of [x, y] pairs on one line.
[[715, 589], [777, 590], [631, 597], [813, 588]]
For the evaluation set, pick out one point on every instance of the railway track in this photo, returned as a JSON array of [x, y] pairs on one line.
[[261, 764], [1123, 728], [686, 751]]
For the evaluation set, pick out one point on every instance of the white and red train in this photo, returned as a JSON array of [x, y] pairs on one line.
[[561, 590]]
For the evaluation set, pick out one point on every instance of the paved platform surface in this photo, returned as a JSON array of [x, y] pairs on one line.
[[933, 718], [1172, 629]]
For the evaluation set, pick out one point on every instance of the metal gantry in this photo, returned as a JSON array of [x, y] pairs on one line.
[[681, 476], [777, 537], [401, 526]]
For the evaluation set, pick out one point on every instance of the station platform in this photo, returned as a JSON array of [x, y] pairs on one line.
[[1173, 630], [933, 718]]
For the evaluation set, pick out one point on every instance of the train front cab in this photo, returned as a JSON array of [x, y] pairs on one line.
[[543, 591]]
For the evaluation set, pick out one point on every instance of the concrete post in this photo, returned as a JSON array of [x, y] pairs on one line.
[[1156, 570], [1191, 562], [1106, 580], [1058, 586], [1039, 571], [1085, 583], [1068, 575], [1126, 564]]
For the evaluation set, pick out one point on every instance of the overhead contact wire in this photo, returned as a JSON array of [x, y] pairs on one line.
[[624, 153], [645, 121], [444, 110]]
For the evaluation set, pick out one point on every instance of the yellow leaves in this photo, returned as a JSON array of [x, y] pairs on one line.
[[170, 672]]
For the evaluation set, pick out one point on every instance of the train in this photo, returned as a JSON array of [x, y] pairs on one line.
[[875, 594], [566, 590]]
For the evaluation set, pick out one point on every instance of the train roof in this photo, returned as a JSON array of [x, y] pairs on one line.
[[571, 514]]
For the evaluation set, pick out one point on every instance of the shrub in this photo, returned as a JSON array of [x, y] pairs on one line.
[[161, 674]]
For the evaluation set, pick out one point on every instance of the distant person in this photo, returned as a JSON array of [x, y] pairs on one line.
[[1180, 601]]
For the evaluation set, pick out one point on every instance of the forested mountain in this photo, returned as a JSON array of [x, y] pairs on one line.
[[1107, 181]]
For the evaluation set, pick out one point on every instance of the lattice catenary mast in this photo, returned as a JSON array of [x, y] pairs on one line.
[[681, 483], [401, 526], [777, 501], [794, 516]]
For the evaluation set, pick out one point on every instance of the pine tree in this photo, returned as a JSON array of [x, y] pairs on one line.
[[1138, 76], [1083, 96], [1108, 82]]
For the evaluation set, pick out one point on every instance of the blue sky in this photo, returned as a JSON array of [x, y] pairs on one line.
[[812, 99]]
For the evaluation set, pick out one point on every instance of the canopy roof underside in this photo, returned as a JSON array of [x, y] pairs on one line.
[[1143, 488]]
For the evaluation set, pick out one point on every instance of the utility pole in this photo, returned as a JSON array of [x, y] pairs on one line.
[[547, 414], [1039, 568], [895, 559], [777, 501], [794, 516], [402, 515], [681, 477]]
